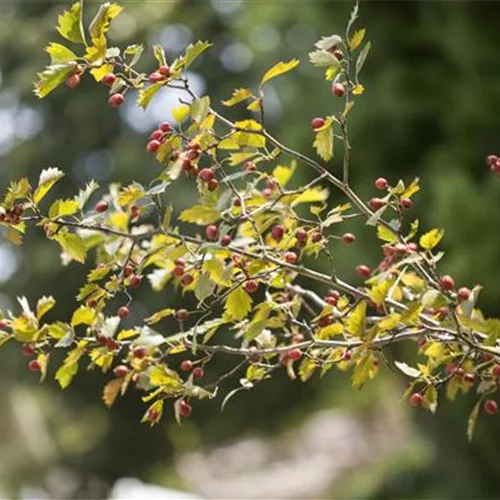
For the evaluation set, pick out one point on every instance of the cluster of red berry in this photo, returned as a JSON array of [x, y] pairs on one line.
[[494, 163], [158, 136], [13, 215]]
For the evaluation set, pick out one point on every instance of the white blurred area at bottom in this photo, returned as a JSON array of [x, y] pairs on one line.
[[133, 489]]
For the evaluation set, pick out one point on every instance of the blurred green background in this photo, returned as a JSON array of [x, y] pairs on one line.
[[431, 109]]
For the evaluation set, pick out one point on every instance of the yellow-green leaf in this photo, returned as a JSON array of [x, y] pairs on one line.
[[51, 78], [73, 245], [200, 214], [69, 26], [324, 141], [200, 108], [283, 174], [180, 113], [44, 305], [356, 320], [159, 315], [386, 234], [168, 379], [330, 331], [431, 239], [83, 316], [61, 208], [145, 95], [59, 53], [193, 51], [238, 304], [307, 368], [379, 291], [101, 22], [279, 69], [356, 39], [238, 96], [65, 374], [48, 177]]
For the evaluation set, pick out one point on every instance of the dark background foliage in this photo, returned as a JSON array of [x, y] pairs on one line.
[[430, 110]]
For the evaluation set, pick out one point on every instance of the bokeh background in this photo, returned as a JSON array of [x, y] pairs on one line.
[[431, 109]]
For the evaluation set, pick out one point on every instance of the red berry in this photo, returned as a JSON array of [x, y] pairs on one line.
[[186, 166], [102, 338], [120, 371], [267, 192], [338, 89], [181, 314], [123, 312], [277, 232], [198, 372], [496, 371], [164, 70], [101, 207], [491, 159], [116, 100], [316, 237], [112, 344], [298, 338], [34, 365], [469, 378], [237, 202], [416, 399], [192, 154], [28, 349], [186, 365], [348, 238], [363, 271], [73, 81], [381, 183], [156, 135], [490, 407], [185, 409], [250, 166], [225, 240], [178, 272], [464, 293], [446, 283], [451, 369], [135, 281], [406, 202], [290, 257], [301, 235], [180, 262], [347, 355], [212, 184], [376, 203], [325, 320], [153, 146], [109, 79], [332, 301], [400, 248], [294, 354], [140, 352], [165, 127], [206, 174], [412, 247], [212, 232], [3, 323], [317, 123], [251, 286], [155, 78], [187, 279], [335, 294]]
